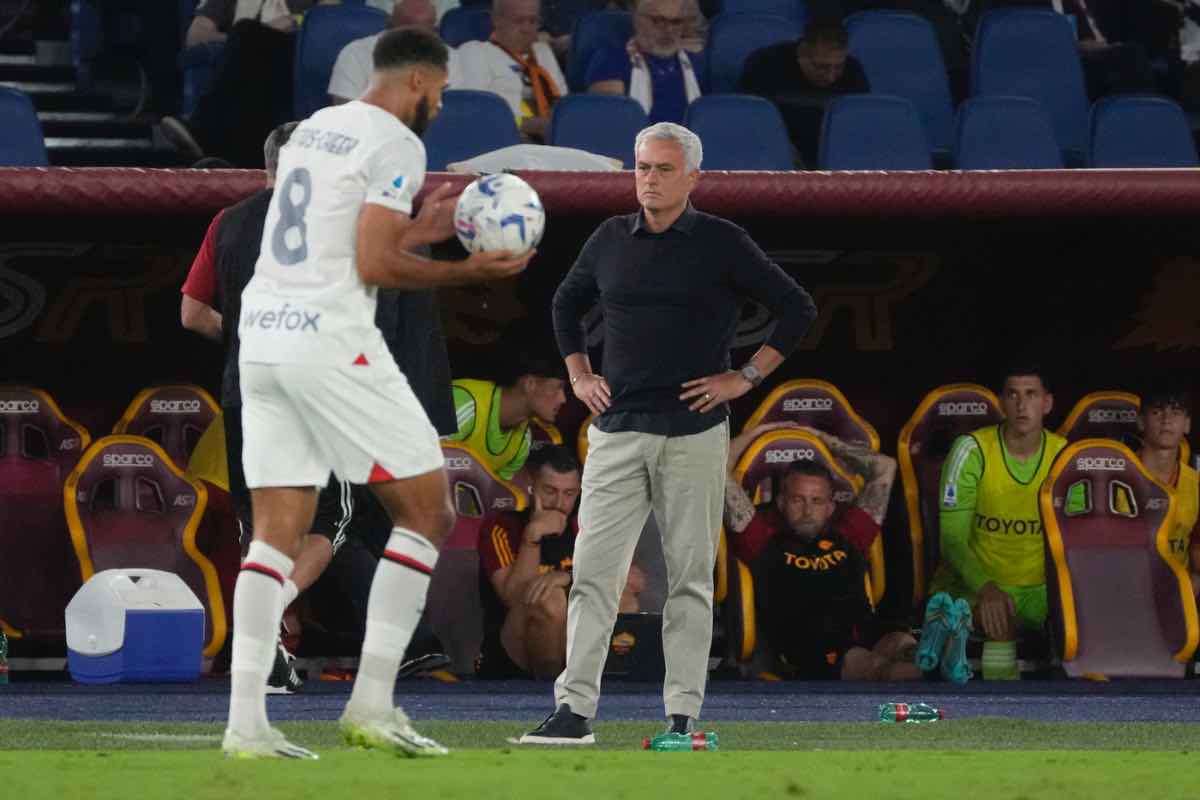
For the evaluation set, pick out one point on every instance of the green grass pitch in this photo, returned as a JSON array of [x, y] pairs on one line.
[[978, 759]]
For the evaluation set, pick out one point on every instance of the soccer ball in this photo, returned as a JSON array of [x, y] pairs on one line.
[[499, 212]]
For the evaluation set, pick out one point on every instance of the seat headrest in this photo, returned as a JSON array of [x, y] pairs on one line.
[[816, 404], [767, 457], [476, 489]]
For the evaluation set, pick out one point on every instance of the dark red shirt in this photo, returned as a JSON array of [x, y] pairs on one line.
[[201, 283], [856, 525]]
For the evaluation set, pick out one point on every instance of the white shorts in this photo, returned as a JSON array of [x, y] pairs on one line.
[[363, 423]]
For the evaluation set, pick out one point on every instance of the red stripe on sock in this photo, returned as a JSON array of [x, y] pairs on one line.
[[405, 561], [254, 566]]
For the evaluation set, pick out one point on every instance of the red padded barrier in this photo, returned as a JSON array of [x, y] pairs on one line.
[[899, 195]]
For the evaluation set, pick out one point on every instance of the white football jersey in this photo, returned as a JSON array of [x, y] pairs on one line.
[[306, 302]]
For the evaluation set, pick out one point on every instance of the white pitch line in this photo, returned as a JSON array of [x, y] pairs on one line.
[[162, 737]]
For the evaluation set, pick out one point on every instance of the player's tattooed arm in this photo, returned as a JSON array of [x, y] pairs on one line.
[[878, 472]]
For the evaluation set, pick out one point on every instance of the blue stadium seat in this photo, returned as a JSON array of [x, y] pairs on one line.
[[472, 24], [471, 123], [1026, 52], [998, 132], [22, 144], [733, 37], [792, 9], [1141, 131], [326, 30], [872, 131], [722, 120], [593, 32], [901, 56], [602, 124]]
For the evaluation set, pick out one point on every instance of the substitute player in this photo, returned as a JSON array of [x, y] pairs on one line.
[[321, 392]]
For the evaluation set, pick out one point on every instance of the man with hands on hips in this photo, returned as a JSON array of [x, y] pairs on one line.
[[670, 281]]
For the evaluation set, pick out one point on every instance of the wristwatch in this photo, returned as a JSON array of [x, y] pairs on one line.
[[751, 374]]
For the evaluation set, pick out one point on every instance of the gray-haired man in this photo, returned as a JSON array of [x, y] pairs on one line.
[[670, 281]]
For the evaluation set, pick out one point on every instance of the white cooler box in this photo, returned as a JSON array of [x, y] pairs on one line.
[[134, 626]]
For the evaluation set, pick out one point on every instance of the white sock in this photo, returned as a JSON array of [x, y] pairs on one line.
[[290, 593], [256, 614], [393, 610]]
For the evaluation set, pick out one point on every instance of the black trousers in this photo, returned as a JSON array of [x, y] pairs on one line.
[[250, 94]]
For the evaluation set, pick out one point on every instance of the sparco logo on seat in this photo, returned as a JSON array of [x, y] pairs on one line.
[[964, 409], [789, 455], [174, 406], [19, 406], [128, 460], [458, 463], [1100, 464], [1127, 415], [808, 404]]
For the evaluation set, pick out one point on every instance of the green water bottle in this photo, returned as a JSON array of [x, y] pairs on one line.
[[3, 658], [682, 742], [909, 712]]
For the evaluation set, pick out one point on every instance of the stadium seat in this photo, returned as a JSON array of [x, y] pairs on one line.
[[198, 65], [901, 56], [1103, 415], [127, 505], [543, 433], [476, 491], [870, 131], [471, 123], [999, 132], [757, 471], [721, 122], [732, 38], [581, 439], [465, 24], [22, 144], [1140, 131], [593, 32], [816, 404], [173, 416], [1119, 605], [796, 10], [925, 440], [326, 30], [1026, 52], [39, 446], [454, 610], [602, 124]]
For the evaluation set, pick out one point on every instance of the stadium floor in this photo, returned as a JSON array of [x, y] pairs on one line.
[[1045, 701]]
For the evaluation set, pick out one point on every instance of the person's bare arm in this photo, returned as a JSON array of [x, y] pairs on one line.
[[200, 318], [512, 582], [386, 238], [878, 472], [202, 31], [607, 87]]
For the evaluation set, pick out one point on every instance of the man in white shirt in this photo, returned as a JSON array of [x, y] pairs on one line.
[[515, 65], [352, 70], [321, 392]]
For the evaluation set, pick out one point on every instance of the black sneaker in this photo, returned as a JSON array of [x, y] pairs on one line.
[[283, 678], [563, 727], [681, 723]]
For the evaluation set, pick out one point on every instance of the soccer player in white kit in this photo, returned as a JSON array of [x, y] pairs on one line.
[[322, 393]]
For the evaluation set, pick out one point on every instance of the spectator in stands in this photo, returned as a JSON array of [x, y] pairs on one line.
[[251, 91], [514, 64], [800, 78], [992, 539], [808, 556], [653, 67], [1165, 421], [352, 70], [1111, 65], [493, 418], [525, 572]]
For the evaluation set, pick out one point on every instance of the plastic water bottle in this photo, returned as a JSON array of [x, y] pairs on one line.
[[682, 742], [909, 712], [3, 658]]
